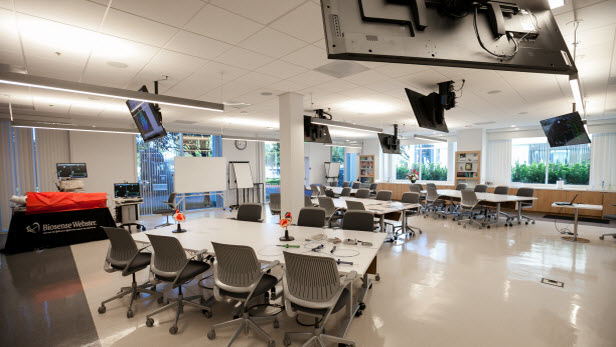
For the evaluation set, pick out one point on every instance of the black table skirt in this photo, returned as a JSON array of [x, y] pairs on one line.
[[28, 232]]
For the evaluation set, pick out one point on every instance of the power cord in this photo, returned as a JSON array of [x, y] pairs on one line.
[[565, 230], [509, 36]]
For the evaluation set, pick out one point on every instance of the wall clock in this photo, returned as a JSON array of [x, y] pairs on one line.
[[240, 144]]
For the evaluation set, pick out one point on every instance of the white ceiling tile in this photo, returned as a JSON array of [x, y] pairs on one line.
[[386, 85], [262, 11], [305, 22], [243, 58], [176, 12], [370, 64], [321, 44], [222, 25], [337, 85], [131, 27], [79, 13], [197, 45], [281, 69], [176, 66], [366, 77], [311, 78], [272, 43], [424, 81], [7, 4], [288, 86], [53, 67], [397, 70], [309, 57], [113, 49]]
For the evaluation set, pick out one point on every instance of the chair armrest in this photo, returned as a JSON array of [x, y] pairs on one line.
[[348, 278], [270, 266], [201, 252]]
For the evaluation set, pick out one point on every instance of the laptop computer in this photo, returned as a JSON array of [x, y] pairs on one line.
[[567, 203]]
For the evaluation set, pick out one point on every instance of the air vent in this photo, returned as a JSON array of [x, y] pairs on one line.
[[485, 123], [372, 38], [336, 24], [553, 282]]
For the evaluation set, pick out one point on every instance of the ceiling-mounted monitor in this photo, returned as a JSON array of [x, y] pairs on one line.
[[519, 35], [390, 143], [565, 130], [315, 132], [147, 117], [428, 109]]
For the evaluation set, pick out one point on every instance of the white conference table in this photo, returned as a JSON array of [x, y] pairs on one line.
[[496, 199], [338, 190], [576, 208]]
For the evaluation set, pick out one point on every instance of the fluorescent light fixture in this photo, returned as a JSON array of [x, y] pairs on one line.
[[428, 138], [336, 145], [61, 126], [244, 138], [556, 3], [576, 89], [109, 92], [333, 123], [367, 106]]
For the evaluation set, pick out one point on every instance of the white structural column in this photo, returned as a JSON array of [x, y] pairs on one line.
[[291, 113]]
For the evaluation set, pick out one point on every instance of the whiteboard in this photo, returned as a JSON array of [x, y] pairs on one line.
[[333, 170], [242, 175], [200, 174]]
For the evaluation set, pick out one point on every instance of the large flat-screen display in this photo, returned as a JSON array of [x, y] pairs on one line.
[[565, 130], [71, 170], [315, 132], [389, 143], [147, 118], [126, 190], [429, 111]]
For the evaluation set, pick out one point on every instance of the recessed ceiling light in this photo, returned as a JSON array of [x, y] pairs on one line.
[[513, 126], [243, 112], [266, 94], [494, 91], [556, 3], [117, 64]]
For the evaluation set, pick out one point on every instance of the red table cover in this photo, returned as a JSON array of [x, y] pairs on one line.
[[63, 201]]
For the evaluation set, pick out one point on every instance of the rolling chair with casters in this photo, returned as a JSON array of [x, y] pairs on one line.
[[430, 185], [249, 212], [417, 188], [346, 191], [355, 205], [332, 213], [315, 190], [481, 188], [408, 198], [123, 255], [468, 203], [383, 195], [373, 187], [500, 190], [311, 217], [238, 276], [170, 264], [346, 184], [610, 217], [313, 287], [167, 211], [434, 205], [362, 193], [526, 192], [308, 201], [274, 204], [322, 190], [356, 185], [360, 221]]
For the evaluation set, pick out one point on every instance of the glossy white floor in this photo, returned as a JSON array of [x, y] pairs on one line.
[[447, 287]]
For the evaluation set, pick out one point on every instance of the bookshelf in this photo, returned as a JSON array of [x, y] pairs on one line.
[[366, 168], [468, 168]]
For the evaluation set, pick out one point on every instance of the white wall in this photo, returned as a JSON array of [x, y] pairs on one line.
[[318, 154], [110, 158]]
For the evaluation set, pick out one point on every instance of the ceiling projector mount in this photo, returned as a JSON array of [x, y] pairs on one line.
[[430, 109]]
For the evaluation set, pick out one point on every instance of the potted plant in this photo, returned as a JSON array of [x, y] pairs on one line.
[[413, 176]]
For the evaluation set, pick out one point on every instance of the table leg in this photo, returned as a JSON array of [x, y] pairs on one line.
[[575, 237], [382, 223]]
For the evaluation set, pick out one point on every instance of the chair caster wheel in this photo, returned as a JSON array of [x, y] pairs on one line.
[[519, 222], [276, 324], [286, 341], [271, 344], [459, 223], [211, 334], [488, 227], [526, 223], [103, 309], [202, 301], [149, 322], [207, 314], [160, 300], [362, 306], [343, 345], [173, 330], [236, 317], [377, 277], [358, 313], [533, 222], [600, 238], [464, 226], [129, 314]]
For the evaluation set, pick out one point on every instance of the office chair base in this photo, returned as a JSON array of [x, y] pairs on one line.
[[166, 224], [604, 235], [246, 322], [575, 239], [134, 290], [316, 340], [180, 302]]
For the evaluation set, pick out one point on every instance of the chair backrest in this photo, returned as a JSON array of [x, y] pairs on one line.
[[428, 185], [171, 200], [356, 185], [311, 217], [432, 194], [307, 201], [315, 190], [346, 191], [410, 198], [310, 278], [122, 248], [481, 188], [414, 188], [362, 193], [358, 220], [469, 198], [322, 190], [168, 257], [528, 192], [236, 266], [249, 212], [502, 190], [355, 205], [460, 186], [373, 186], [384, 195], [346, 184], [274, 202], [328, 204]]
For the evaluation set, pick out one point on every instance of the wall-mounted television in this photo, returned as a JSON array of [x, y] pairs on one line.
[[565, 130], [147, 117]]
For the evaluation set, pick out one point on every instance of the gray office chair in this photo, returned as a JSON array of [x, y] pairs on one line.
[[123, 255], [274, 204], [527, 192], [468, 205], [308, 201], [356, 185], [481, 188], [332, 214], [315, 190], [346, 184], [384, 195], [167, 211], [311, 217], [408, 198], [362, 193], [372, 188], [430, 185], [358, 220], [313, 287], [346, 191], [238, 276], [610, 217], [322, 190], [249, 212], [415, 188], [355, 205], [170, 264], [460, 186], [434, 205], [501, 190]]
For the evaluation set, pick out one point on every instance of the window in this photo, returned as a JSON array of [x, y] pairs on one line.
[[533, 161], [272, 168], [338, 157], [430, 160]]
